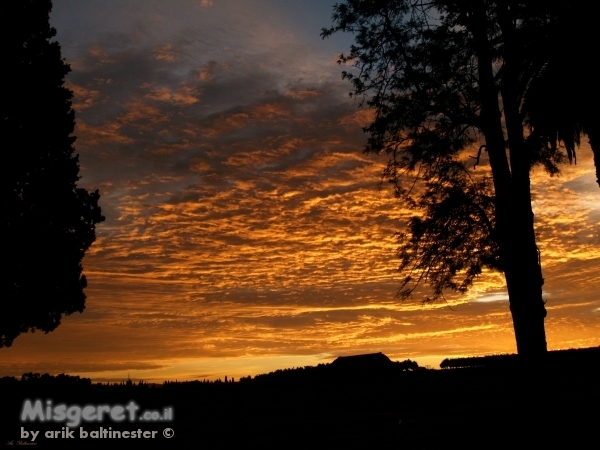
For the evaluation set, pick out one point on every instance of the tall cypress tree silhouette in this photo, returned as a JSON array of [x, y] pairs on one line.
[[47, 222]]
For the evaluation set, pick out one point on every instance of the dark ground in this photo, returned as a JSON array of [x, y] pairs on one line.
[[537, 403]]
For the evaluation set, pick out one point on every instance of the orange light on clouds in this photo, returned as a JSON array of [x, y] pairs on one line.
[[246, 231]]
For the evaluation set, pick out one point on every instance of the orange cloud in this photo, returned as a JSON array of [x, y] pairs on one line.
[[360, 118], [165, 52], [100, 54], [302, 94], [83, 98], [185, 95]]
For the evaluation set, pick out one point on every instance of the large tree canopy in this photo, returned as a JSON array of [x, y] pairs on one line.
[[47, 222], [452, 79], [562, 93]]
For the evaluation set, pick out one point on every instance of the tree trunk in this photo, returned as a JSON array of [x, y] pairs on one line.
[[523, 273], [514, 216], [523, 269]]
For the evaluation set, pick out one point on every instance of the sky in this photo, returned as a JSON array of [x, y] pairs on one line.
[[246, 231]]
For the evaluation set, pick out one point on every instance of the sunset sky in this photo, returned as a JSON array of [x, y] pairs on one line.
[[245, 230]]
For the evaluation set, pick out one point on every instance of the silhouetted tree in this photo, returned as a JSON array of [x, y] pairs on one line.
[[442, 77], [47, 222]]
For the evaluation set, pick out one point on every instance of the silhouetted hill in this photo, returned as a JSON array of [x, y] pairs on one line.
[[326, 406], [343, 367]]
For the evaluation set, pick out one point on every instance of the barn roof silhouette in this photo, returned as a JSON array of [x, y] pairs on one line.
[[368, 361]]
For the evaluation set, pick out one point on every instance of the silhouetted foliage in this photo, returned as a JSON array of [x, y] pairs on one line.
[[408, 365], [60, 381], [47, 222], [8, 382], [561, 101], [582, 358], [446, 78]]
